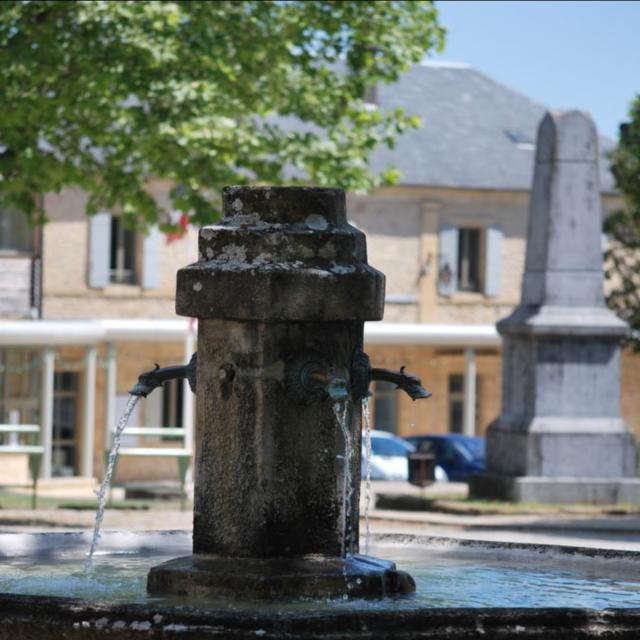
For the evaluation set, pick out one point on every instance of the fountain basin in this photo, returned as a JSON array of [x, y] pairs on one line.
[[465, 589]]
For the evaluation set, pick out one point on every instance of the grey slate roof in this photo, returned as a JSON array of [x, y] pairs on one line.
[[463, 141]]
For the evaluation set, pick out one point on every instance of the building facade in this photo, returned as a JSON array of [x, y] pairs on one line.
[[86, 304]]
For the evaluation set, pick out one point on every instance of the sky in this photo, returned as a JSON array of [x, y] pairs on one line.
[[576, 54]]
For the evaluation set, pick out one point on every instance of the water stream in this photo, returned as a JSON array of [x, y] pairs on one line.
[[341, 412], [367, 462], [106, 480]]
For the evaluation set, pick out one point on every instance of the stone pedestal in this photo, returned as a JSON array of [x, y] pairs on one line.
[[559, 437], [282, 276], [313, 576]]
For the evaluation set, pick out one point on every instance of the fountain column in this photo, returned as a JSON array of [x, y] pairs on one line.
[[560, 437], [282, 277]]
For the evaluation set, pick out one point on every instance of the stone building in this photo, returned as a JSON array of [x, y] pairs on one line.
[[86, 305]]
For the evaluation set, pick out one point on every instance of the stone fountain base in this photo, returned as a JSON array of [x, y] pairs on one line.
[[312, 576]]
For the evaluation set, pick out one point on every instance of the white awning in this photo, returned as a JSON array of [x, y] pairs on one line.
[[85, 332], [454, 335], [23, 333]]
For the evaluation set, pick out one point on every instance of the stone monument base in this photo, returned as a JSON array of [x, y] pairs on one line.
[[554, 490], [312, 576]]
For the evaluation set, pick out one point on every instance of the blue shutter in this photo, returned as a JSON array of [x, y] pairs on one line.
[[99, 250], [493, 261], [448, 262], [151, 247]]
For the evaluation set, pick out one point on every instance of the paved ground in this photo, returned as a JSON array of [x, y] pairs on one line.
[[602, 531]]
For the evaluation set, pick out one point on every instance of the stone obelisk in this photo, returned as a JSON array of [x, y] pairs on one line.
[[560, 437]]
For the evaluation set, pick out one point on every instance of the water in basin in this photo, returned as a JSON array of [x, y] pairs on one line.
[[446, 576]]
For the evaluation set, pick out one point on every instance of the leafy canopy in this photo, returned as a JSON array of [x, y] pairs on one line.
[[106, 96], [623, 258]]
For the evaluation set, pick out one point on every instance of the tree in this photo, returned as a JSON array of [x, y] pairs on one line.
[[106, 96], [623, 258]]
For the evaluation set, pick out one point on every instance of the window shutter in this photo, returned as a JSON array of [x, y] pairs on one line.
[[151, 246], [448, 262], [99, 250], [493, 261]]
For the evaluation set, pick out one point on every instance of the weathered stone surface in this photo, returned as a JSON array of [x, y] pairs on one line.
[[283, 275], [29, 617], [268, 476], [556, 490], [281, 254], [564, 253], [561, 356], [315, 576]]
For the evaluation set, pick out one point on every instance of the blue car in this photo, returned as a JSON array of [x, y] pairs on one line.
[[457, 456]]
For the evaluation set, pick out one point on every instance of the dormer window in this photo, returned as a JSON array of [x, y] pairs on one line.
[[521, 140]]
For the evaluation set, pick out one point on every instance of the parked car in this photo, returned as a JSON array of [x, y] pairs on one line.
[[389, 457], [457, 456]]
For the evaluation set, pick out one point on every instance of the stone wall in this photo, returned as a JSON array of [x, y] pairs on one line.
[[66, 293], [402, 234], [402, 225]]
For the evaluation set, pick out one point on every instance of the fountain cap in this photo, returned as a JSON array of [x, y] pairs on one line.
[[285, 205], [281, 254]]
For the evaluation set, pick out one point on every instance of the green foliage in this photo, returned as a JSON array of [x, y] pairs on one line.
[[623, 258], [106, 96]]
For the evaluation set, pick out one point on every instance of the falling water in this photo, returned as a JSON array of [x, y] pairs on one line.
[[367, 461], [341, 413], [106, 480]]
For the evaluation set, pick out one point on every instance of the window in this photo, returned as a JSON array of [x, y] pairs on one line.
[[65, 413], [385, 407], [15, 233], [19, 386], [469, 259], [123, 253], [172, 392], [456, 403]]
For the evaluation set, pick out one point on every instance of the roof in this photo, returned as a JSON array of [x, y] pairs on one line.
[[476, 133]]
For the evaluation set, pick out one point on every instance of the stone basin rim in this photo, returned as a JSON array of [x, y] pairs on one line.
[[117, 542], [71, 618]]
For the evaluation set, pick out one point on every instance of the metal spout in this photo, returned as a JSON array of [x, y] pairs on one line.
[[411, 385], [336, 386], [309, 378], [362, 373], [150, 380]]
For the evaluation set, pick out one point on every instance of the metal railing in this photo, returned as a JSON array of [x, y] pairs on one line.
[[182, 454], [34, 451]]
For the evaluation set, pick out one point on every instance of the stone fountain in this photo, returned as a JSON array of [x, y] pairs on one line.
[[281, 291]]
